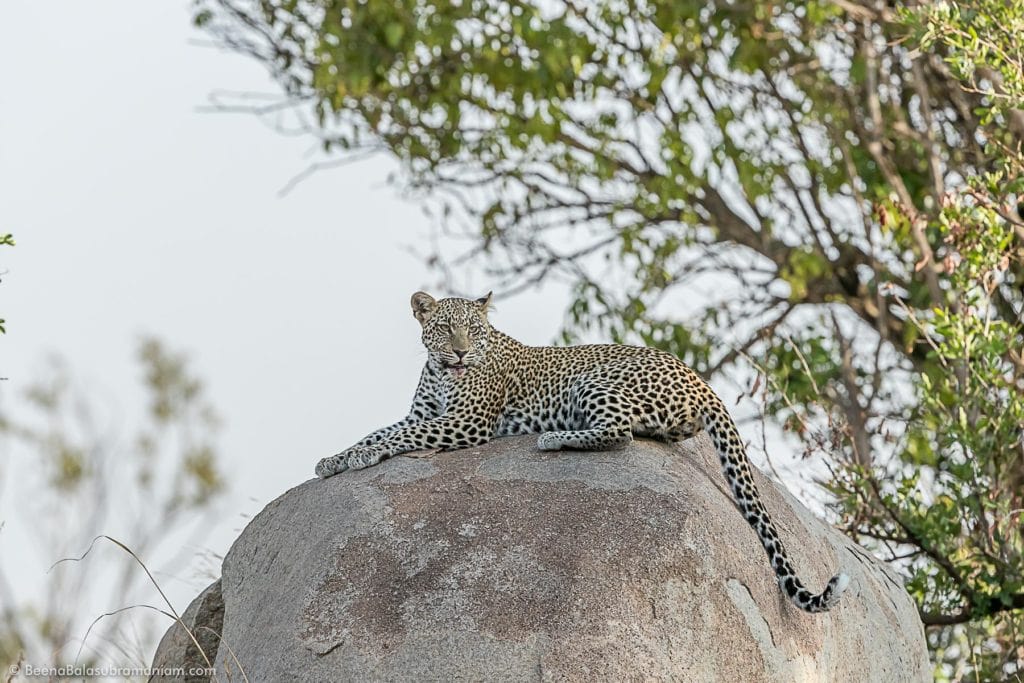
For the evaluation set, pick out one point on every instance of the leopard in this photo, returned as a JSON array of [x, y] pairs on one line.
[[479, 383]]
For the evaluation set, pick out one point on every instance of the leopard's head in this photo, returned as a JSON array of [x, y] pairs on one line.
[[455, 331]]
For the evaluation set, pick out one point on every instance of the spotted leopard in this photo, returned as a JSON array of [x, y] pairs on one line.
[[479, 384]]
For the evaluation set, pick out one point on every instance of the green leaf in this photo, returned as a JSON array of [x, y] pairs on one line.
[[393, 33]]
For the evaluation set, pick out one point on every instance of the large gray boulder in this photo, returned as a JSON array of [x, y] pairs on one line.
[[502, 563]]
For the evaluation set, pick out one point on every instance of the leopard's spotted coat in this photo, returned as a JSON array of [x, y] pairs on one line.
[[479, 383]]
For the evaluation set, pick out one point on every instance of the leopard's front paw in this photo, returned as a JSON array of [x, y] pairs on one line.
[[549, 441], [359, 457], [328, 467], [355, 458]]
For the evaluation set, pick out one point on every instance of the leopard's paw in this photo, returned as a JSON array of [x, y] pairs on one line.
[[549, 441], [359, 457], [328, 467]]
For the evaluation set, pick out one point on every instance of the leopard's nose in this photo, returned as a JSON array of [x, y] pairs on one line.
[[460, 354]]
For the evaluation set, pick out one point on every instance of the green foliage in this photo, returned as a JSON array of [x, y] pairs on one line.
[[966, 432], [838, 181]]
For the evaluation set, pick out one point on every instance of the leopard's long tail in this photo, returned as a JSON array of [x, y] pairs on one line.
[[736, 468]]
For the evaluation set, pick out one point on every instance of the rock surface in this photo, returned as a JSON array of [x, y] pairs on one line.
[[502, 563], [204, 619]]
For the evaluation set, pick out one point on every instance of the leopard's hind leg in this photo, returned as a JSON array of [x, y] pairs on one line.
[[602, 414]]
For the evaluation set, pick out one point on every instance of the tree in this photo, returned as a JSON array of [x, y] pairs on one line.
[[839, 175], [84, 476]]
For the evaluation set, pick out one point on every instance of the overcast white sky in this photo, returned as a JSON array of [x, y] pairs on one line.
[[136, 214]]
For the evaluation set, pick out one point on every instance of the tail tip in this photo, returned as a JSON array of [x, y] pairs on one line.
[[836, 586]]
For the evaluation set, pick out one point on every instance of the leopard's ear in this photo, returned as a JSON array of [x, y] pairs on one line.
[[484, 303], [423, 306]]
